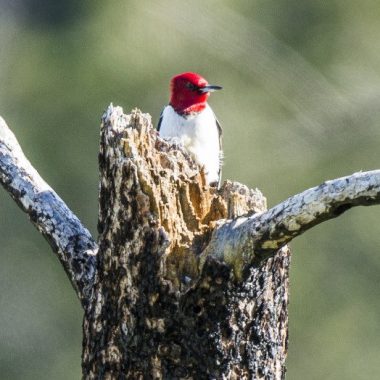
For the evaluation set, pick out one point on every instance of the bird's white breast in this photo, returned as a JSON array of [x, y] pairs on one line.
[[198, 134]]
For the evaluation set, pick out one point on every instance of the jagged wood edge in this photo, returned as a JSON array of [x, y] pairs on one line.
[[245, 240], [68, 238], [249, 240], [143, 290]]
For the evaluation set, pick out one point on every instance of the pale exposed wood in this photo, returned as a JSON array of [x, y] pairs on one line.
[[158, 311], [72, 243], [250, 239]]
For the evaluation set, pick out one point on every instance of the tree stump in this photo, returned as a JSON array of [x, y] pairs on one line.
[[162, 306]]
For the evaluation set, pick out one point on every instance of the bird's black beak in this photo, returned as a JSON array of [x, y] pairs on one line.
[[209, 88]]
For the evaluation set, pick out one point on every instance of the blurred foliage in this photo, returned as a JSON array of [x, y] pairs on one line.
[[300, 105]]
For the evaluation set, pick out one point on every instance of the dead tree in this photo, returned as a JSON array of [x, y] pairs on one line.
[[185, 281]]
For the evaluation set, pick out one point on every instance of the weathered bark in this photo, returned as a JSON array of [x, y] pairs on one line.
[[189, 282], [73, 244], [159, 312], [247, 240]]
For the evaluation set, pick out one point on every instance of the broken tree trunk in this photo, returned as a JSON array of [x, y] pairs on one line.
[[188, 282], [159, 310]]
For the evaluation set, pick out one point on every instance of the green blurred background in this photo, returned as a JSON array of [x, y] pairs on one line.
[[300, 105]]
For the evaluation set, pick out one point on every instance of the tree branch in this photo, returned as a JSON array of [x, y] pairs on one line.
[[69, 239], [246, 240]]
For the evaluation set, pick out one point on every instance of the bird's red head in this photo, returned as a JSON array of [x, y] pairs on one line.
[[189, 93]]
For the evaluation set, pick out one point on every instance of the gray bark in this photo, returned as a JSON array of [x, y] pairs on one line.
[[188, 282], [246, 240], [158, 313], [72, 242]]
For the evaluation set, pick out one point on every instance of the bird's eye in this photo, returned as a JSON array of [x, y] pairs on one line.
[[191, 86]]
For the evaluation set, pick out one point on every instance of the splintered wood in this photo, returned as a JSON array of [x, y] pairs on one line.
[[172, 190], [165, 306]]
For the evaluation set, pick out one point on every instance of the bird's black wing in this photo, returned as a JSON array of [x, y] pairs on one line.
[[220, 131], [160, 120]]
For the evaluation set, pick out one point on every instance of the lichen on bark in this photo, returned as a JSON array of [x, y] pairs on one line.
[[159, 310]]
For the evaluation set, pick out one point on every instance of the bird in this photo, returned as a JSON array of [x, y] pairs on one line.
[[190, 122]]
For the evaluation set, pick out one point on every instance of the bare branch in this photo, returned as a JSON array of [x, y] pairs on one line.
[[247, 240], [69, 239]]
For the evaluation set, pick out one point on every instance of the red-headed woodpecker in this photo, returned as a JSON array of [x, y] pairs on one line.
[[189, 121]]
